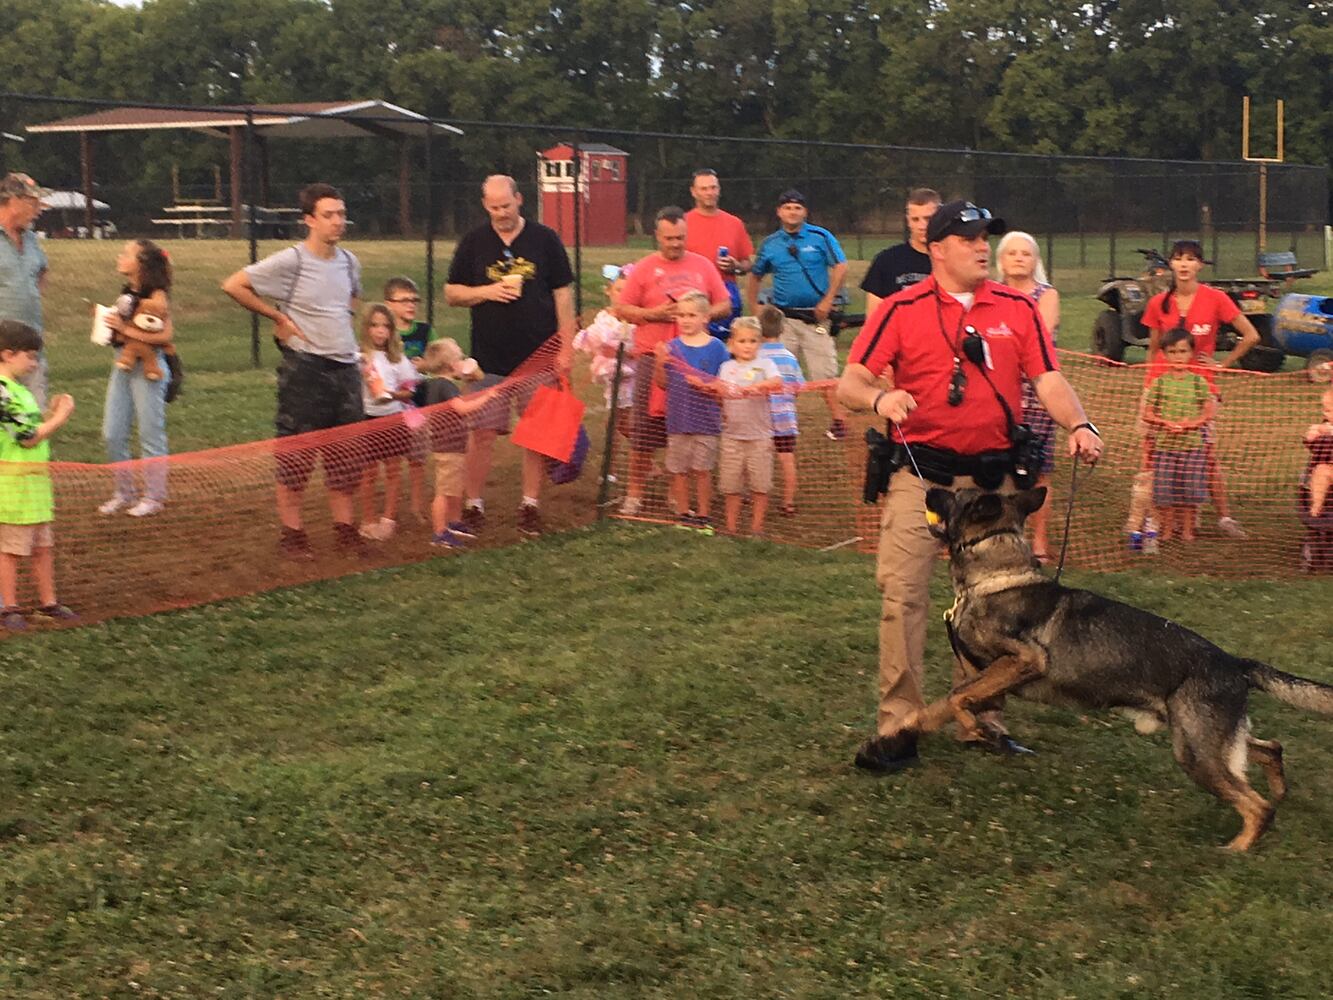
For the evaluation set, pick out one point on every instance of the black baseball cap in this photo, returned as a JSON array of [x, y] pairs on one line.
[[962, 218], [791, 195]]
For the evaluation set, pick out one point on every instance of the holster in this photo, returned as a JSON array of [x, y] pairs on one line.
[[883, 458]]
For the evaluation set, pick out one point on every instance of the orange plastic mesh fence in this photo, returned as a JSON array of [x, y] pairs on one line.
[[218, 534], [1252, 469]]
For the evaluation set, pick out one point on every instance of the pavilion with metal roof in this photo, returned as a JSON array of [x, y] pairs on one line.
[[309, 120]]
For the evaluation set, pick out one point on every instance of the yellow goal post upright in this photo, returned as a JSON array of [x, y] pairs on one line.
[[1263, 162]]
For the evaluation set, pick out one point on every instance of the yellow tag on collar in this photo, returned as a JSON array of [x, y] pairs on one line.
[[933, 519]]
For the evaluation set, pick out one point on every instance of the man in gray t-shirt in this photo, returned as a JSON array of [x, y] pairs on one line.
[[23, 266], [315, 288]]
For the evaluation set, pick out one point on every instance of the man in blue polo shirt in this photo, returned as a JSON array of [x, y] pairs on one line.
[[808, 266], [23, 265]]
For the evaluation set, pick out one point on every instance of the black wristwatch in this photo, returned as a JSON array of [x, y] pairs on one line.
[[1089, 425]]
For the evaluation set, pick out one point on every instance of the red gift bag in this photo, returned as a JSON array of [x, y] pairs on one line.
[[550, 425]]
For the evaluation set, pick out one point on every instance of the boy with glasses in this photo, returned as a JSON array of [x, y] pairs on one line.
[[403, 298]]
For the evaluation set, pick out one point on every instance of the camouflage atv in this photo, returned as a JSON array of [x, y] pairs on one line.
[[1121, 325]]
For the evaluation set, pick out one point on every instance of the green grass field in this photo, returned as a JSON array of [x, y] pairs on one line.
[[612, 764], [617, 764]]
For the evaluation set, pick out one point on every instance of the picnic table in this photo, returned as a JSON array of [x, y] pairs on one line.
[[212, 219]]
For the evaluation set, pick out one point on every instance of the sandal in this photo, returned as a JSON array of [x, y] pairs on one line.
[[1045, 558], [787, 510]]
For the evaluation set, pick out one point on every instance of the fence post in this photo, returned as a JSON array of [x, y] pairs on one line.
[[578, 228], [609, 447], [248, 186], [430, 226]]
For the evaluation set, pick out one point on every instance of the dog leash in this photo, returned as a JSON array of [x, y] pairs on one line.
[[1069, 514]]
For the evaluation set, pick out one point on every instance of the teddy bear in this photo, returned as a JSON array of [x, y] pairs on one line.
[[150, 317]]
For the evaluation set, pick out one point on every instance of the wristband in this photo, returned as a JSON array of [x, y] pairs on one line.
[[874, 407], [1089, 425]]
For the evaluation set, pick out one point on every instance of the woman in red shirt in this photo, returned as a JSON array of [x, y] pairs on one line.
[[1201, 310]]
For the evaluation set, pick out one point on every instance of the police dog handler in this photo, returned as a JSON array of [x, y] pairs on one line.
[[943, 363]]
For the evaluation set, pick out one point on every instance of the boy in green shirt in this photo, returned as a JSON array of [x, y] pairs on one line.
[[402, 298], [26, 501]]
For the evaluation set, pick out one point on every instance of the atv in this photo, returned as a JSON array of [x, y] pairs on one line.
[[1121, 325]]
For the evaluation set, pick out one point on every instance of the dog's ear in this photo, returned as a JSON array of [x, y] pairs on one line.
[[939, 502], [939, 509], [1028, 502]]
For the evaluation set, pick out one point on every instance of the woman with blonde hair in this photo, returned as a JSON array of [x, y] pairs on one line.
[[1018, 264]]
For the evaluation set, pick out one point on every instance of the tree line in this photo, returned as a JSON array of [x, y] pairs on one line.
[[1143, 78]]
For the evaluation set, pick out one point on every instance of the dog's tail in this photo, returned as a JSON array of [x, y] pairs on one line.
[[1309, 695]]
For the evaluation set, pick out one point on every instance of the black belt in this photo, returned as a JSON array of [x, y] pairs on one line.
[[987, 469], [312, 360]]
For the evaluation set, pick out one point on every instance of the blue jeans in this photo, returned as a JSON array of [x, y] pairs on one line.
[[130, 399]]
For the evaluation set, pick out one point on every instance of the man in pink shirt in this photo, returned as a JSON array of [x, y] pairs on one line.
[[648, 301], [710, 231]]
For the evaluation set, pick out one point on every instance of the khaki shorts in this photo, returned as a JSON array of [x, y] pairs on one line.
[[449, 473], [817, 351], [21, 539], [746, 462], [691, 453]]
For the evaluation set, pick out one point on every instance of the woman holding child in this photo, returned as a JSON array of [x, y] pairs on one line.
[[131, 396]]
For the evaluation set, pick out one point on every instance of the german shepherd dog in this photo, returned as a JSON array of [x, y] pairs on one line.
[[1025, 634]]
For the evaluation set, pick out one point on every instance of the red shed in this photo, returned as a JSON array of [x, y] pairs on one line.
[[601, 185]]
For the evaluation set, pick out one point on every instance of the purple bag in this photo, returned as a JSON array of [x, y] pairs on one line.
[[566, 472]]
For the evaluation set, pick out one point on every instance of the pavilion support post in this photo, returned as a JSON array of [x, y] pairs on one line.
[[237, 136], [86, 167], [262, 144], [404, 186]]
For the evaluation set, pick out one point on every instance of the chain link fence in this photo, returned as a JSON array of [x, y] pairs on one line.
[[413, 191]]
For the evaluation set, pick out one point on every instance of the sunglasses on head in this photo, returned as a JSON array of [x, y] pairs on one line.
[[970, 213]]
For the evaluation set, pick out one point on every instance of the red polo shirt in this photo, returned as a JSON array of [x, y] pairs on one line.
[[655, 281], [917, 334]]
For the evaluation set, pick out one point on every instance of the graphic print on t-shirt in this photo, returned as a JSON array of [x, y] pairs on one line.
[[510, 264]]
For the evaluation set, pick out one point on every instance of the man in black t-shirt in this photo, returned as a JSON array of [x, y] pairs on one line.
[[514, 276], [905, 264]]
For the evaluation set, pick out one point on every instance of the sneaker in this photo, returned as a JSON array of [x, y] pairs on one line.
[[687, 519], [460, 529], [448, 539], [12, 620], [837, 430], [146, 507], [114, 506], [631, 506], [703, 524], [474, 520], [1230, 526], [295, 545], [887, 754], [347, 541], [56, 613], [529, 521], [378, 531]]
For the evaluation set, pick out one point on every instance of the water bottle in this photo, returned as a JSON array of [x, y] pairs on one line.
[[1136, 541], [1150, 537]]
